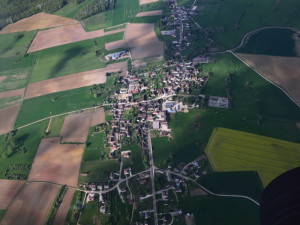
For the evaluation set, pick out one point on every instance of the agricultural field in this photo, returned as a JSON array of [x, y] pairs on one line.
[[76, 127], [259, 108], [12, 93], [55, 125], [37, 22], [56, 162], [9, 189], [237, 18], [8, 117], [70, 10], [98, 117], [71, 58], [63, 210], [143, 2], [143, 41], [230, 150], [31, 205], [10, 101], [95, 146], [115, 45], [283, 71], [65, 35], [150, 13]]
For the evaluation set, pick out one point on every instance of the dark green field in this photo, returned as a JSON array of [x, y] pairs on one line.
[[136, 157], [275, 42], [260, 108], [95, 146], [55, 126]]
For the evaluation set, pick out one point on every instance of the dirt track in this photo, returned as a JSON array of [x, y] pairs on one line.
[[8, 190], [38, 21], [31, 205], [143, 41], [147, 1], [7, 118], [115, 45], [72, 81], [150, 13], [63, 210], [76, 127], [65, 35], [12, 93], [283, 71], [98, 117], [55, 162]]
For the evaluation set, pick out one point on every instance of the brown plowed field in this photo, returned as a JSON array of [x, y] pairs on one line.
[[142, 2], [63, 210], [283, 71], [31, 205], [65, 35], [36, 22], [12, 93], [115, 45], [98, 117], [72, 81], [150, 13], [8, 190], [7, 118], [57, 163], [143, 41], [76, 127]]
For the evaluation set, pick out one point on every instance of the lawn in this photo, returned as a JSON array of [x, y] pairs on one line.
[[30, 138], [136, 157], [209, 210], [275, 42], [71, 58], [252, 15], [55, 126], [95, 146], [231, 150], [235, 183], [98, 170], [261, 109]]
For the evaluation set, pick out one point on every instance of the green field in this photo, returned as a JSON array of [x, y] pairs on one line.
[[209, 210], [71, 58], [230, 150], [276, 42], [2, 212], [147, 19], [56, 126], [95, 146], [70, 10], [152, 6], [136, 161], [252, 15], [98, 170], [235, 183], [30, 138], [5, 102], [261, 109]]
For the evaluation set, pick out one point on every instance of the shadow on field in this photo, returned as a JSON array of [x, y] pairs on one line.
[[22, 138], [69, 54]]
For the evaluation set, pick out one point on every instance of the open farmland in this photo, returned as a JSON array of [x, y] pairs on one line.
[[150, 13], [73, 81], [7, 118], [8, 190], [98, 117], [115, 45], [36, 22], [63, 210], [283, 71], [65, 35], [143, 41], [230, 150], [57, 163], [31, 205], [142, 2], [76, 127], [12, 93]]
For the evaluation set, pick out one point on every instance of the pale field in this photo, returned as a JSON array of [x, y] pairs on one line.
[[65, 35], [12, 93], [72, 81], [115, 45], [142, 2], [63, 210], [8, 190], [8, 117], [143, 42], [56, 162], [31, 205], [37, 22], [98, 117], [283, 71], [150, 13]]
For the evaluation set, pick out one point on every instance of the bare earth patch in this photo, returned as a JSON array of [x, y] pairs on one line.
[[8, 190], [142, 2], [283, 71], [7, 118], [31, 205], [76, 127], [72, 81], [150, 13], [36, 22], [56, 162], [197, 192], [12, 93], [143, 41], [115, 45], [65, 35], [63, 210], [297, 42], [3, 78], [98, 117]]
